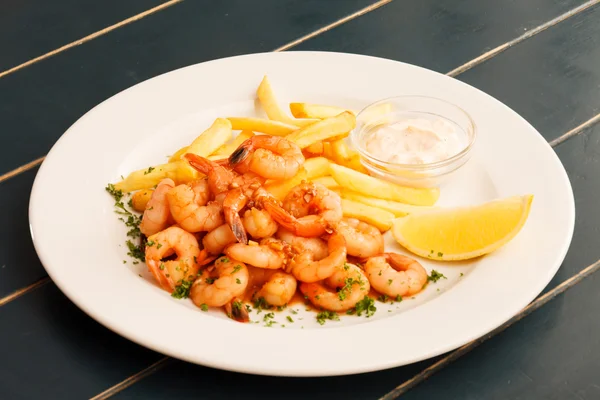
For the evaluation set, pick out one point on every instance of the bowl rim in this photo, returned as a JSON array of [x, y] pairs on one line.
[[415, 167]]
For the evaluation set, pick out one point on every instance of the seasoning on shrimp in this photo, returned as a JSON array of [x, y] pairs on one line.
[[395, 274]]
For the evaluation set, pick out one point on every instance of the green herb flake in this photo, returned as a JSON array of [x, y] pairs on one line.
[[203, 307], [210, 281], [290, 319], [237, 268], [182, 291], [390, 281], [383, 298], [366, 305], [237, 280], [435, 276], [398, 299], [150, 169], [440, 254], [327, 315]]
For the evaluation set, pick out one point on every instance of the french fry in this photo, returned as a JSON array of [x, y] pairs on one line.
[[328, 182], [307, 110], [371, 186], [280, 189], [267, 99], [180, 171], [228, 148], [140, 199], [332, 128], [396, 208], [262, 125], [178, 154], [315, 149], [316, 167], [377, 217], [346, 156], [208, 141]]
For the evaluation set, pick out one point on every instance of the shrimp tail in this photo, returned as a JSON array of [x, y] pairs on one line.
[[240, 154], [237, 228], [235, 310], [199, 163], [282, 217]]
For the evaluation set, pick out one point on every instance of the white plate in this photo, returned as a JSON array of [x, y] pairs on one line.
[[81, 243]]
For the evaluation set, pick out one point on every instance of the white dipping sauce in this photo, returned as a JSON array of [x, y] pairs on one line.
[[416, 141]]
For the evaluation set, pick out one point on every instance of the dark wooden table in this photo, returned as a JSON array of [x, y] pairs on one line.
[[60, 58]]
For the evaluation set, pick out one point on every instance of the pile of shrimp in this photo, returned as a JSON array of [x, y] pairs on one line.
[[230, 241]]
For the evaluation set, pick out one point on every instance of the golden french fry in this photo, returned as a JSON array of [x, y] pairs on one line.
[[332, 128], [140, 199], [180, 171], [178, 154], [280, 189], [327, 151], [315, 149], [267, 99], [344, 155], [262, 125], [316, 167], [208, 141], [371, 186], [328, 182], [228, 148], [377, 217], [307, 110], [396, 208]]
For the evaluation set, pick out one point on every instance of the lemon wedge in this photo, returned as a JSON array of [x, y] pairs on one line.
[[464, 232]]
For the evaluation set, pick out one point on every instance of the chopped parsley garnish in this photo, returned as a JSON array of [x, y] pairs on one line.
[[294, 312], [383, 298], [158, 246], [161, 266], [135, 251], [461, 274], [203, 307], [224, 259], [366, 305], [435, 276], [343, 292], [150, 243], [182, 291], [236, 268], [440, 254], [346, 266], [327, 315], [150, 169], [290, 319], [117, 194], [261, 304], [237, 280], [268, 319], [398, 299], [390, 281], [209, 280]]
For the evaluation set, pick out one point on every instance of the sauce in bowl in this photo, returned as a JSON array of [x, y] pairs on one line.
[[416, 140]]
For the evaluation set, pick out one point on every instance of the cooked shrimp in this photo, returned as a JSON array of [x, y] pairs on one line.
[[173, 240], [216, 240], [270, 254], [157, 215], [340, 292], [219, 177], [362, 239], [258, 223], [304, 267], [278, 290], [236, 200], [191, 209], [220, 284], [271, 157], [395, 275], [316, 246], [301, 203]]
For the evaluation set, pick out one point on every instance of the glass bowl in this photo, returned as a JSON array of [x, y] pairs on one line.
[[398, 109]]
